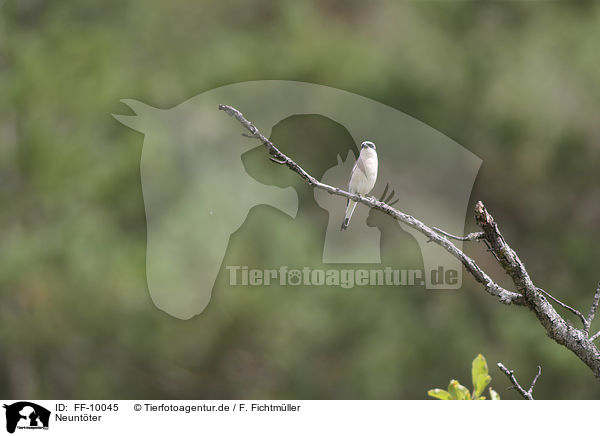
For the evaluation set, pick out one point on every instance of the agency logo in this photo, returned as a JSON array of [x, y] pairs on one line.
[[25, 415], [200, 181]]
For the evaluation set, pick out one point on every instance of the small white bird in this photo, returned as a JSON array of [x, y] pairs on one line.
[[363, 178]]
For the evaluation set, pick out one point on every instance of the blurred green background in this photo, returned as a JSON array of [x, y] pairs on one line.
[[517, 83]]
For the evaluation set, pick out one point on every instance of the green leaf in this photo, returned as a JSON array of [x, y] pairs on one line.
[[494, 395], [479, 373], [440, 394], [481, 384], [478, 368], [458, 391]]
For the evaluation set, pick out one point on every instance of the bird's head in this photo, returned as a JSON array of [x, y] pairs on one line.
[[367, 144]]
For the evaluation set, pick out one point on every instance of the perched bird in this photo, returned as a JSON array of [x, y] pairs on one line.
[[363, 177]]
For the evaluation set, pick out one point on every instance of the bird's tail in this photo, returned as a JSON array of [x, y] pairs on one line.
[[349, 211]]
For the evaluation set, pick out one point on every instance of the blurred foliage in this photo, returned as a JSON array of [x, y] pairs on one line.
[[517, 83], [480, 378]]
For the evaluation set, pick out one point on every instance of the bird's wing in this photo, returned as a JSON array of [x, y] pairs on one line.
[[360, 165], [357, 169]]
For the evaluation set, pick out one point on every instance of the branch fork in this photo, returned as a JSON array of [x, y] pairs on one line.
[[527, 394]]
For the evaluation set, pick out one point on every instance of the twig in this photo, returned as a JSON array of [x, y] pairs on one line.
[[475, 236], [527, 394], [569, 308], [535, 379], [277, 161], [527, 293], [588, 321], [274, 151], [596, 336]]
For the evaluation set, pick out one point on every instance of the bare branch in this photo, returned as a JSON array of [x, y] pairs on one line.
[[527, 394], [556, 327], [535, 379], [476, 236], [588, 321], [490, 286], [596, 336], [560, 303], [516, 269], [274, 151], [527, 293]]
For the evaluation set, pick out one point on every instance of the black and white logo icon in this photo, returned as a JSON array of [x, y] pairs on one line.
[[26, 415]]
